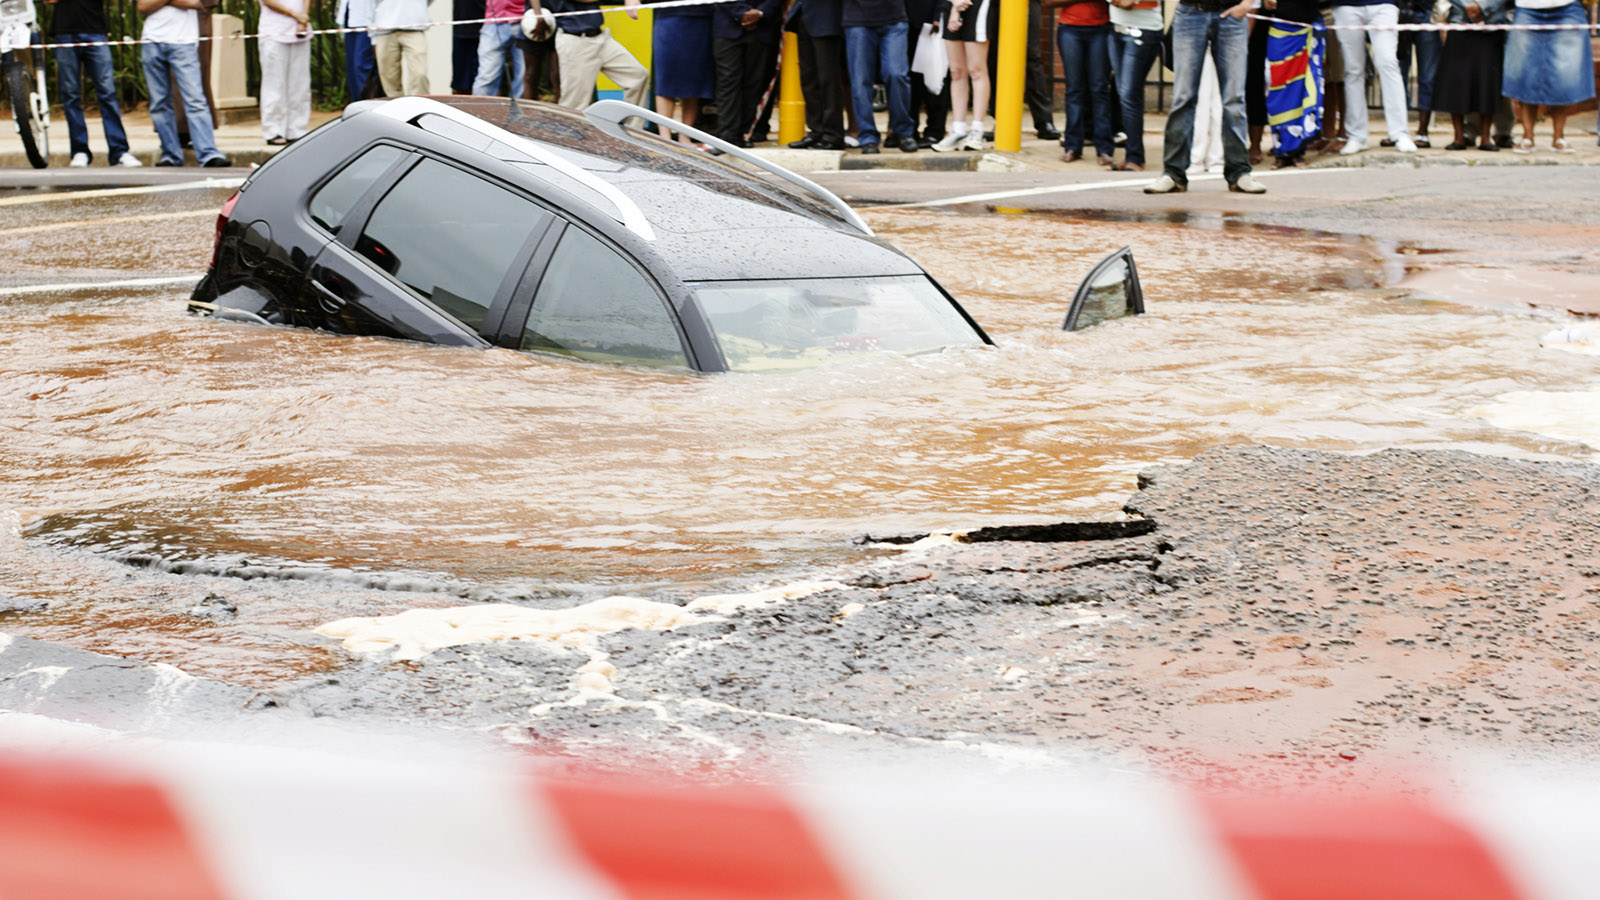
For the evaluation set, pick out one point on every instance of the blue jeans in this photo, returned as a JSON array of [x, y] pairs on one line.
[[1428, 47], [185, 62], [360, 65], [1086, 64], [1133, 57], [495, 40], [96, 61], [877, 53], [1228, 39]]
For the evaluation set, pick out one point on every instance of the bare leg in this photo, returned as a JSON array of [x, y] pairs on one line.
[[959, 95], [1424, 119], [690, 107], [1558, 124], [978, 69], [1525, 117]]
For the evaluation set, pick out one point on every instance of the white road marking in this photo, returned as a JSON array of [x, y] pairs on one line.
[[206, 185], [87, 285], [90, 223], [1089, 186]]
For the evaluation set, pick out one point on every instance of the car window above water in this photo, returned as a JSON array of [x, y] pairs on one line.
[[775, 325], [593, 304], [450, 236], [336, 198]]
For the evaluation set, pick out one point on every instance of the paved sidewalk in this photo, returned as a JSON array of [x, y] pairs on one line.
[[243, 144]]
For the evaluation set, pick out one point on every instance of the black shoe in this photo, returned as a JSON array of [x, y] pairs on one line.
[[716, 151], [218, 162], [743, 145], [805, 143], [1504, 140], [825, 144], [926, 143], [869, 148], [1048, 133], [908, 144], [988, 136], [759, 138], [168, 162]]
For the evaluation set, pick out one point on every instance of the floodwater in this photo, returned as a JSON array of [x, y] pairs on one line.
[[307, 470]]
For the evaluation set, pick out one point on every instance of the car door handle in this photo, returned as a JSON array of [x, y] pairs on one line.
[[329, 301]]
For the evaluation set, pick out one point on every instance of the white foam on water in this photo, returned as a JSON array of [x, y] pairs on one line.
[[1584, 339], [1568, 415], [726, 603]]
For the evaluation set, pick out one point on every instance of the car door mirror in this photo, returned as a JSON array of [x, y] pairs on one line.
[[1110, 291]]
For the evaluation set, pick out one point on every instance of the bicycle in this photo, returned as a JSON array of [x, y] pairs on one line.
[[24, 78]]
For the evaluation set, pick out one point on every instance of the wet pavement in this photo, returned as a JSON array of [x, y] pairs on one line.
[[206, 496]]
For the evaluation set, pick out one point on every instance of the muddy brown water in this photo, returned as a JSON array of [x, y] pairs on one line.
[[309, 468]]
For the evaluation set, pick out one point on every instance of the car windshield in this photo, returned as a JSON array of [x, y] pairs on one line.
[[772, 325]]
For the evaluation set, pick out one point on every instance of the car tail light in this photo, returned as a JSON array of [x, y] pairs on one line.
[[222, 222]]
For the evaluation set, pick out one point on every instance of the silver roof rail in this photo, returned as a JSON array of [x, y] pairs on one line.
[[615, 112], [409, 109]]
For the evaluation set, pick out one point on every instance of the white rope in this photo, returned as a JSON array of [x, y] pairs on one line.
[[419, 26]]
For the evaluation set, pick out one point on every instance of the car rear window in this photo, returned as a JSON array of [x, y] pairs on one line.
[[451, 236], [774, 325], [334, 200]]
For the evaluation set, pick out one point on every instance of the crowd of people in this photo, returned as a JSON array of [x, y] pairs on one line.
[[1241, 69]]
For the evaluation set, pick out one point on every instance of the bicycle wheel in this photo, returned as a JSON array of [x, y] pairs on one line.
[[30, 127]]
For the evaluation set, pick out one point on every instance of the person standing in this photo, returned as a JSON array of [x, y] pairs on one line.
[[1216, 28], [587, 50], [1426, 46], [360, 62], [875, 46], [1136, 27], [1469, 74], [930, 84], [285, 44], [1353, 19], [1036, 74], [399, 35], [171, 34], [686, 74], [744, 46], [824, 80], [84, 22], [1084, 38], [1548, 68], [497, 40], [464, 44], [966, 44]]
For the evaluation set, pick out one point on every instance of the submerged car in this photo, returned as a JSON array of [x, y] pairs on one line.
[[479, 222]]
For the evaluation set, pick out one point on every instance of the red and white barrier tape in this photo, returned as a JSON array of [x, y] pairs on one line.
[[1436, 26], [226, 823], [419, 26]]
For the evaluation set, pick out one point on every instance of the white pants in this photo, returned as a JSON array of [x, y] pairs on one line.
[[1353, 44], [402, 62], [1206, 151], [584, 59], [285, 89]]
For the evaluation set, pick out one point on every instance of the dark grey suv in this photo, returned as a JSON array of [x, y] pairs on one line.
[[473, 221]]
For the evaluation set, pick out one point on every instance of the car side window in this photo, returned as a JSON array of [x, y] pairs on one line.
[[593, 304], [451, 236], [334, 200]]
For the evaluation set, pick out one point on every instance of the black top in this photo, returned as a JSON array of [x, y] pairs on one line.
[[820, 17], [577, 24], [873, 13], [1299, 11], [79, 17]]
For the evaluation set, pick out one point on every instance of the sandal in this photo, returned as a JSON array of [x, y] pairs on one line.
[[277, 142], [1523, 146], [1489, 148], [1453, 145], [1423, 142], [1562, 146]]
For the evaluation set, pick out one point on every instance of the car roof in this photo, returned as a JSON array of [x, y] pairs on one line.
[[708, 218]]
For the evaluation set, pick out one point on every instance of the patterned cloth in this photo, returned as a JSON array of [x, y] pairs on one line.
[[1294, 88]]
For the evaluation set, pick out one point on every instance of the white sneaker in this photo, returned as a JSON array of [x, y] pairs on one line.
[[974, 141], [1166, 184], [1351, 148], [951, 141], [1405, 144], [79, 160], [129, 161], [1247, 184], [850, 141]]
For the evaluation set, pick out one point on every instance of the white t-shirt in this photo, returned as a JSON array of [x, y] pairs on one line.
[[1145, 18], [171, 25], [275, 26]]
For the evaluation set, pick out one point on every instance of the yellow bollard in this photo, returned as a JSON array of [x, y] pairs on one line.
[[791, 105], [1013, 64]]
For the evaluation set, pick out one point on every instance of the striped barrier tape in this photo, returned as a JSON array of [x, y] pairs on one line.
[[213, 822], [1435, 26], [419, 26]]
